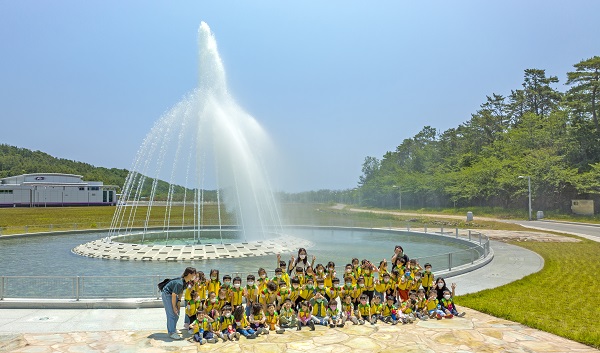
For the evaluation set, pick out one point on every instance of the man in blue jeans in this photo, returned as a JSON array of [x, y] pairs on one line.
[[171, 297]]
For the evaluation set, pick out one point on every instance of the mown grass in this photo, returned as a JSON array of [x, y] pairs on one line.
[[560, 299], [14, 220]]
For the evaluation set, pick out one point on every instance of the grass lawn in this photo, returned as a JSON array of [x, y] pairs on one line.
[[561, 299]]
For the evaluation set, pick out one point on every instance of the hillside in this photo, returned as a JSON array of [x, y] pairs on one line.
[[16, 161]]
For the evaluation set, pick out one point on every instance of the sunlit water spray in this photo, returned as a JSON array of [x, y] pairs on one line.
[[205, 142]]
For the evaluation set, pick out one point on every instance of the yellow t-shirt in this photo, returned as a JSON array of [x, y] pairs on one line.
[[192, 307], [251, 292], [369, 279], [226, 321], [236, 296], [364, 310], [387, 309], [376, 309], [204, 325], [427, 280], [432, 304], [214, 286]]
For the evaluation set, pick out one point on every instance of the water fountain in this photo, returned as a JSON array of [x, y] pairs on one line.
[[206, 141]]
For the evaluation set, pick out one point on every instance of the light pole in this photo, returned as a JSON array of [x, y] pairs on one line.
[[399, 196], [529, 187]]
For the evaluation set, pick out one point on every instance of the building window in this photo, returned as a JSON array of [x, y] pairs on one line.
[[81, 188], [6, 191], [94, 188]]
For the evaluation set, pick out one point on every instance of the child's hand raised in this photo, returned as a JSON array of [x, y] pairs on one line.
[[453, 286]]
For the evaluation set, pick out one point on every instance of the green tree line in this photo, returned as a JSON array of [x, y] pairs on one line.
[[537, 131], [17, 161]]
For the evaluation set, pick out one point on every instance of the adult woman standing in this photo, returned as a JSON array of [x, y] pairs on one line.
[[171, 297], [301, 261]]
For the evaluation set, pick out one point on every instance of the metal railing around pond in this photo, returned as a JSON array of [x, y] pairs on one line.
[[145, 287]]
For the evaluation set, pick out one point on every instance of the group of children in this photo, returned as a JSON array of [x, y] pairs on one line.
[[300, 295]]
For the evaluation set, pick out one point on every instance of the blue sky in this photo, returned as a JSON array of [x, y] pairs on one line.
[[331, 81]]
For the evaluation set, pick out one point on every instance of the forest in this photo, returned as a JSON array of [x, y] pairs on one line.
[[536, 132]]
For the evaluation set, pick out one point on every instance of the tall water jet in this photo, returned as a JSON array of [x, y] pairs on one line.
[[202, 165]]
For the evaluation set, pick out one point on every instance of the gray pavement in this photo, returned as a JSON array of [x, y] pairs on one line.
[[584, 230], [510, 263]]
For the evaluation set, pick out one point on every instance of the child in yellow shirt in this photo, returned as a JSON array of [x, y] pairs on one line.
[[227, 323], [272, 319], [250, 293], [334, 315], [213, 284], [202, 328], [192, 307], [242, 325], [287, 315], [305, 317], [348, 312], [376, 310], [258, 320], [363, 309], [236, 294]]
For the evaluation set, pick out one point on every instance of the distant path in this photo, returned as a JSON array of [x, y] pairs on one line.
[[588, 231], [584, 230], [340, 206]]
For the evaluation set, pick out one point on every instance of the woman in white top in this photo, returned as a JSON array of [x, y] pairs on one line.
[[301, 261]]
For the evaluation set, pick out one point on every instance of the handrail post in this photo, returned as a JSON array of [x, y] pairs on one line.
[[426, 228], [408, 227], [2, 287], [479, 238], [77, 288], [456, 233], [156, 291], [469, 235], [442, 230], [449, 261]]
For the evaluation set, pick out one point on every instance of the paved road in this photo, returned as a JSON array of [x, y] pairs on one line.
[[588, 231]]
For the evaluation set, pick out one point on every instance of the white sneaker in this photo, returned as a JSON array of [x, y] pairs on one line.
[[176, 336]]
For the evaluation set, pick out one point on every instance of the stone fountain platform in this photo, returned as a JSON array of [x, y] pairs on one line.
[[108, 248]]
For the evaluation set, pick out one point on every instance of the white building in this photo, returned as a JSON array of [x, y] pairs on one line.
[[54, 189]]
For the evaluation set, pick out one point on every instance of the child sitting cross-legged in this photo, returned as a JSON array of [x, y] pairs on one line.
[[304, 316], [227, 321], [257, 320], [363, 309], [273, 319], [434, 308], [348, 310], [390, 311], [376, 310], [319, 309], [334, 315], [448, 304], [287, 315], [202, 328], [242, 326]]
